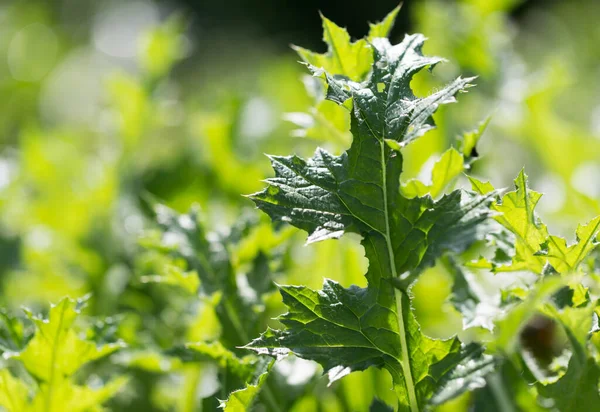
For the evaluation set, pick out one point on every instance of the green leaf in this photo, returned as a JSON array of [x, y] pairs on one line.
[[471, 374], [207, 255], [380, 406], [352, 329], [248, 373], [260, 276], [477, 309], [242, 399], [359, 191], [327, 121], [327, 196], [216, 352], [508, 327], [577, 389]]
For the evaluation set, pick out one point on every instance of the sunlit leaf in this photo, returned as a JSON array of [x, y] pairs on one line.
[[355, 328]]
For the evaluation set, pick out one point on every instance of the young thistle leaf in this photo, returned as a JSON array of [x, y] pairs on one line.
[[534, 248], [450, 165], [565, 258], [327, 121], [56, 350], [243, 399], [54, 354], [446, 169], [344, 57], [14, 393], [327, 196]]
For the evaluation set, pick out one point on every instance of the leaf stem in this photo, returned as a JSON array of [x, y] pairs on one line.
[[408, 379], [499, 392], [410, 386], [191, 383], [235, 320], [270, 398]]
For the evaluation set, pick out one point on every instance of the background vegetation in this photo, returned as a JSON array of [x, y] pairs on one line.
[[110, 108]]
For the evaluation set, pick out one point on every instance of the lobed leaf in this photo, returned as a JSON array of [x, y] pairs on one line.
[[359, 191], [534, 248], [56, 350]]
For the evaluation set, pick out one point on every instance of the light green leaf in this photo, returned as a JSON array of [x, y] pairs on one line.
[[448, 167], [325, 122], [242, 399], [343, 57], [57, 350], [534, 248], [14, 393], [54, 354], [384, 27], [565, 258], [518, 216], [483, 188], [445, 170], [175, 276], [468, 141], [65, 396]]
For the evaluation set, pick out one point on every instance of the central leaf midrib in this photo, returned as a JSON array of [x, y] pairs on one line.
[[414, 406], [53, 357], [405, 357]]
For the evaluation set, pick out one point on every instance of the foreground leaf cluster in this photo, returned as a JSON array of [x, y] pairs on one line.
[[407, 228]]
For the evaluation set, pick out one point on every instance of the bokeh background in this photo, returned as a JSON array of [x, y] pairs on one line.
[[109, 106]]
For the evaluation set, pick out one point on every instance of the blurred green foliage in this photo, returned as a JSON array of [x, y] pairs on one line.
[[103, 117]]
